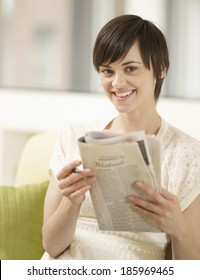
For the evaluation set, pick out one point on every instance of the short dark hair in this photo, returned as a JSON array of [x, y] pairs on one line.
[[117, 37]]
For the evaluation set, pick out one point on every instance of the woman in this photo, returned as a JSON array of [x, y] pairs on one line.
[[131, 57]]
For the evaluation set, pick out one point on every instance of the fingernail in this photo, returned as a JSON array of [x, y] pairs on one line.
[[139, 184], [130, 197]]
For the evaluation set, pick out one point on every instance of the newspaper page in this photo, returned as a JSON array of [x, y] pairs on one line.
[[118, 161]]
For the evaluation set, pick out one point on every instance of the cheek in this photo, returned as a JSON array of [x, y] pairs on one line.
[[101, 80], [148, 82], [104, 83]]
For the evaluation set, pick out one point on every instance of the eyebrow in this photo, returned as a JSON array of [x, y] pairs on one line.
[[132, 61], [123, 64]]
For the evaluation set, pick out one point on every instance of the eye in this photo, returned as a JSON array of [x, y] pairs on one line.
[[131, 68], [106, 72]]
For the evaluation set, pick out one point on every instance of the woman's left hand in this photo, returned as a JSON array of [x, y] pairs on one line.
[[163, 208]]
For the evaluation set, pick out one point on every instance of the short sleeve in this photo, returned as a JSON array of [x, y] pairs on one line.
[[187, 169], [62, 152], [66, 148], [180, 165]]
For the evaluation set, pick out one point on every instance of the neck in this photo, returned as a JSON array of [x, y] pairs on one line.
[[125, 123]]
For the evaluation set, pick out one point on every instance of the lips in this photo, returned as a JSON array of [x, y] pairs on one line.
[[124, 94]]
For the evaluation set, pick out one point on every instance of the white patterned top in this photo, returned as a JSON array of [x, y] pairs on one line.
[[180, 174]]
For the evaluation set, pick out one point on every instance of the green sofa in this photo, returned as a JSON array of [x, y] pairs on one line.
[[21, 205]]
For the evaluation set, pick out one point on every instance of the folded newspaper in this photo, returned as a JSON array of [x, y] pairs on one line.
[[119, 160]]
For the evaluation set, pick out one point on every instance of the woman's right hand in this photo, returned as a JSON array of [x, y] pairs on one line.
[[75, 185]]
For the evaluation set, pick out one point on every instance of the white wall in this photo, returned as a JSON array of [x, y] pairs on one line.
[[23, 113]]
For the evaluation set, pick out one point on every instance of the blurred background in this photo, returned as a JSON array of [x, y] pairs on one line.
[[48, 44], [47, 77]]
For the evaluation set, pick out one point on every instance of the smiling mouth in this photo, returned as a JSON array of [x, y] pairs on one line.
[[123, 94]]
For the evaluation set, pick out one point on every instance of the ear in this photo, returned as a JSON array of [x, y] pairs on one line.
[[163, 73]]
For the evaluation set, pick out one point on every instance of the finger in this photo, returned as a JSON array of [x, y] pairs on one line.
[[145, 212], [74, 178], [79, 192], [153, 194], [167, 195], [145, 205], [67, 169], [78, 185], [153, 217]]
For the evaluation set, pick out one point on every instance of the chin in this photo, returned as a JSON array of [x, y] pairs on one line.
[[121, 110]]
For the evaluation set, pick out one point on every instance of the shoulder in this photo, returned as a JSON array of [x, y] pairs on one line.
[[180, 151], [173, 138], [78, 129], [180, 164]]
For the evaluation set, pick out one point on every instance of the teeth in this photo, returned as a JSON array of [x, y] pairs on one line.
[[123, 94]]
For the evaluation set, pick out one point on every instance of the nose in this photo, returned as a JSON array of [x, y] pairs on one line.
[[119, 80]]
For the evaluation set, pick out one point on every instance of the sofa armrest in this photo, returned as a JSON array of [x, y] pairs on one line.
[[33, 163]]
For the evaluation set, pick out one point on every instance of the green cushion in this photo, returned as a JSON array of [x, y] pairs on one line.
[[21, 218]]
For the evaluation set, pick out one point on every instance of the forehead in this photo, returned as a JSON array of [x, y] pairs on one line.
[[133, 55]]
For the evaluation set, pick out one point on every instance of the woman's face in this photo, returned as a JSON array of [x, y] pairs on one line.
[[128, 84]]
